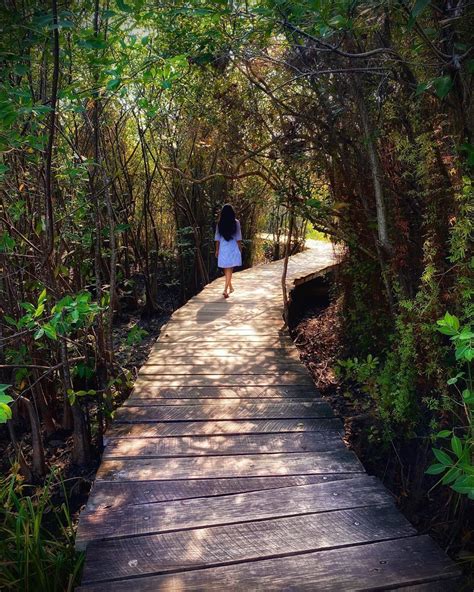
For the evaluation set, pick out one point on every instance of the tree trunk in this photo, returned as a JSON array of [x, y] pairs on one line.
[[285, 264], [38, 463]]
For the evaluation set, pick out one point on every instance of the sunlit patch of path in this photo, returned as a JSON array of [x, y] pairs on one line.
[[225, 470]]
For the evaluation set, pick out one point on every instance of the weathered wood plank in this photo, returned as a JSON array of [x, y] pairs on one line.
[[229, 509], [216, 366], [205, 547], [107, 494], [228, 411], [202, 357], [268, 340], [197, 348], [218, 428], [377, 566], [151, 401], [225, 380], [226, 392], [303, 463], [222, 445]]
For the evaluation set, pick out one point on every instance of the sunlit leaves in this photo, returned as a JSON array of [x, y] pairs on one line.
[[456, 463], [5, 400]]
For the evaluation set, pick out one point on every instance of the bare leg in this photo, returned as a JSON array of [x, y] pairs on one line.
[[228, 276], [231, 287]]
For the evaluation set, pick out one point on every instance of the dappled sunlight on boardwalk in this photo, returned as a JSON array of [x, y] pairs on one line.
[[226, 470]]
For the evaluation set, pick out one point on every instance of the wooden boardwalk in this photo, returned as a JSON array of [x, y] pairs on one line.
[[225, 471]]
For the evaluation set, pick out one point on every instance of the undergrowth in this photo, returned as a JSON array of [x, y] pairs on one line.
[[36, 537]]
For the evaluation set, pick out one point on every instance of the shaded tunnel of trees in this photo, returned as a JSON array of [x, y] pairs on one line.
[[125, 125]]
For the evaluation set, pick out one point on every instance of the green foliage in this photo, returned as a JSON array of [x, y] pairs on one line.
[[136, 335], [455, 459], [5, 400], [66, 317], [36, 538]]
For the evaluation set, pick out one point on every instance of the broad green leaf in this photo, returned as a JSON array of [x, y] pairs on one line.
[[50, 331], [435, 469], [442, 86], [456, 446], [444, 434], [451, 475], [443, 458], [114, 83], [5, 412]]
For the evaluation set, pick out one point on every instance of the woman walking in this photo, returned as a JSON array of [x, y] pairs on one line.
[[228, 239]]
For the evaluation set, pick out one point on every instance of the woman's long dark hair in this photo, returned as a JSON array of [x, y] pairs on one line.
[[227, 225]]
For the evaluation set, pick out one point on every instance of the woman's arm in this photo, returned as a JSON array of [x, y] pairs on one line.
[[217, 248], [239, 242]]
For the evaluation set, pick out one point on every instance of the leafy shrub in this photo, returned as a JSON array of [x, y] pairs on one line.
[[454, 459]]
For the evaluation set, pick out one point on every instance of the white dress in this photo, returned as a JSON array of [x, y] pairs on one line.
[[229, 252]]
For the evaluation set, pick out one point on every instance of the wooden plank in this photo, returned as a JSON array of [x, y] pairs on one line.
[[225, 380], [205, 547], [221, 319], [145, 402], [202, 316], [222, 445], [228, 411], [107, 494], [197, 348], [216, 366], [230, 392], [230, 509], [200, 357], [303, 463], [376, 566], [268, 340], [217, 428]]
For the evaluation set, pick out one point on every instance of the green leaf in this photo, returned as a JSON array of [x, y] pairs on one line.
[[114, 83], [454, 379], [5, 413], [39, 311], [39, 334], [121, 5], [456, 446], [5, 398], [420, 5], [442, 86], [422, 87], [464, 484], [443, 458], [468, 396], [50, 331], [443, 434], [451, 476], [466, 334], [435, 469]]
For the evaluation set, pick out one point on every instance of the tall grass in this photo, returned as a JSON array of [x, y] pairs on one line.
[[36, 538]]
